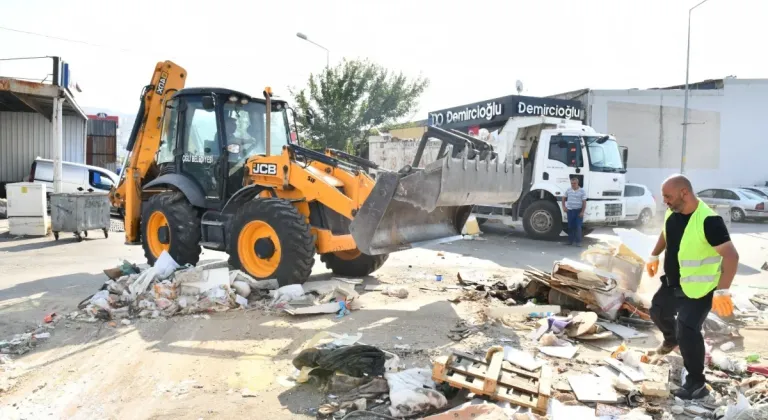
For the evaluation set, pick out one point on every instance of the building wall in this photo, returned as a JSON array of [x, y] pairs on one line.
[[408, 133], [394, 154], [727, 133], [27, 135]]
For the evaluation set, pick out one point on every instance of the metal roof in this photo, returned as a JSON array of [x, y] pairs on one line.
[[221, 91], [24, 96]]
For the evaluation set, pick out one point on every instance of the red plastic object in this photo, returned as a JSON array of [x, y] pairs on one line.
[[761, 369], [49, 318]]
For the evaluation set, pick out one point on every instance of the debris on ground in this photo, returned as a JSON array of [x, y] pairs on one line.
[[166, 289]]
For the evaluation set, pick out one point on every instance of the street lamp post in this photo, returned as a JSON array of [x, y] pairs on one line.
[[685, 105], [327, 53]]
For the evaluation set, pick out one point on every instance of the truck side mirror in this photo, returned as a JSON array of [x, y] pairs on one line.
[[624, 156], [208, 103], [310, 117]]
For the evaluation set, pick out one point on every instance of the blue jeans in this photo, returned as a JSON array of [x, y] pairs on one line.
[[574, 226]]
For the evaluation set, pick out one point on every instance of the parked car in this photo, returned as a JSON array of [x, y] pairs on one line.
[[639, 204], [744, 204], [761, 191], [75, 177]]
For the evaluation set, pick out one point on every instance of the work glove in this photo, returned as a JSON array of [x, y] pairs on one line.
[[652, 266], [722, 304]]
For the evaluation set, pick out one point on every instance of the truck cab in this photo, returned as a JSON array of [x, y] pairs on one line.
[[548, 152]]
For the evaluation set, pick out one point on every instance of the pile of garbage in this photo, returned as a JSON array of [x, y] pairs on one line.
[[166, 289], [360, 377]]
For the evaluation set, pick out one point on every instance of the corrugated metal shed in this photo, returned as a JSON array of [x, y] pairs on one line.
[[102, 127], [27, 135]]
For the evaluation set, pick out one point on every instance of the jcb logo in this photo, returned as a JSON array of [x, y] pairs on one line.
[[161, 84], [265, 169]]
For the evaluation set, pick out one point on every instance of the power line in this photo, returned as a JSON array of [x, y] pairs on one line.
[[75, 41]]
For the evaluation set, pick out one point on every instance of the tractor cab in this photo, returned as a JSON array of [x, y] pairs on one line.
[[208, 135]]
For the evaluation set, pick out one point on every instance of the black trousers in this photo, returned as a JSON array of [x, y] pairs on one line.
[[680, 319]]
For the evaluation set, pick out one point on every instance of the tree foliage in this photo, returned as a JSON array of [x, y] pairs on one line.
[[350, 101]]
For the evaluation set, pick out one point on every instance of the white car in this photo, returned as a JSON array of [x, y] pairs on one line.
[[761, 191], [744, 204], [639, 204]]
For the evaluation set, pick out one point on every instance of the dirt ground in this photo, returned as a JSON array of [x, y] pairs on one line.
[[195, 368]]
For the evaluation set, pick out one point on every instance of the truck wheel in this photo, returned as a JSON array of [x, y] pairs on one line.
[[542, 220], [353, 263], [170, 223], [271, 240]]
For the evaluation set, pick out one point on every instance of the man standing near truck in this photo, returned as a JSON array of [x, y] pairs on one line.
[[574, 204], [699, 267]]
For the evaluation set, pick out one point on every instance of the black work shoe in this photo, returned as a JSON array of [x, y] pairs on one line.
[[692, 391]]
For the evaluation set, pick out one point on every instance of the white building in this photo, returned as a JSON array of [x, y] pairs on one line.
[[727, 141]]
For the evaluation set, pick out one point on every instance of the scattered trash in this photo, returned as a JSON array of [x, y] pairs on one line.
[[356, 360], [625, 333], [723, 362], [589, 388], [413, 392], [727, 346], [490, 377], [247, 393], [396, 291], [49, 318], [655, 389]]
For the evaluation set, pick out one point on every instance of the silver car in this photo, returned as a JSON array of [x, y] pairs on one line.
[[744, 204], [761, 191]]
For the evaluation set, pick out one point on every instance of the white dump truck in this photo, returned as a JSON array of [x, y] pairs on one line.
[[547, 152]]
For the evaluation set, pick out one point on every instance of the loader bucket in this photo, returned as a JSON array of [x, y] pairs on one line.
[[430, 205]]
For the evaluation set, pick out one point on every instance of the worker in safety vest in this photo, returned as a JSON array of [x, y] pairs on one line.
[[699, 266]]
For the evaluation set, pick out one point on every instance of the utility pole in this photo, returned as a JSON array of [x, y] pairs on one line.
[[685, 106], [327, 53]]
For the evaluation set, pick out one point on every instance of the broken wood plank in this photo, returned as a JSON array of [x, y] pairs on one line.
[[493, 372]]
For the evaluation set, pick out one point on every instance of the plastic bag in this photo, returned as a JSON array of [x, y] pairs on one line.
[[412, 392], [287, 294]]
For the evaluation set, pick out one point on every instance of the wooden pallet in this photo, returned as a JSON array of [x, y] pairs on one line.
[[495, 378]]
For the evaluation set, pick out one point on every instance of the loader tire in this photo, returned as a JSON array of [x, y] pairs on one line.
[[271, 240], [170, 223], [353, 263], [543, 220]]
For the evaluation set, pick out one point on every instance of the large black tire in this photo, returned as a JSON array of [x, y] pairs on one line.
[[183, 224], [359, 266], [294, 240], [543, 220]]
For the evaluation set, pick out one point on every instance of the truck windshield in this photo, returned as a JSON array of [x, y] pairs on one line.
[[604, 155], [245, 127]]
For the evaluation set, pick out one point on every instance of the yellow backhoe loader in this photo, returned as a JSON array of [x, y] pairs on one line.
[[215, 168]]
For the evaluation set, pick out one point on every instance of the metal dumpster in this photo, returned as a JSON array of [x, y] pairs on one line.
[[78, 213]]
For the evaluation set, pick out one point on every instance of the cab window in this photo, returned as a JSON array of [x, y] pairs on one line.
[[99, 180], [567, 150]]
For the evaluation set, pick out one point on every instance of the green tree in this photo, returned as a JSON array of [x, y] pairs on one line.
[[351, 100]]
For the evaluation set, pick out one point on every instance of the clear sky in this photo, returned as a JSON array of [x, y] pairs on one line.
[[470, 50]]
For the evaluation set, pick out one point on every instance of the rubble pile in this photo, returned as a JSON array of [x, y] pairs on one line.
[[166, 289]]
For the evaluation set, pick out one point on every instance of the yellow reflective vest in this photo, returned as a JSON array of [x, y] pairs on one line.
[[699, 262]]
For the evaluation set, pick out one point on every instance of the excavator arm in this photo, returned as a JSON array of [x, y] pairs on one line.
[[143, 144]]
